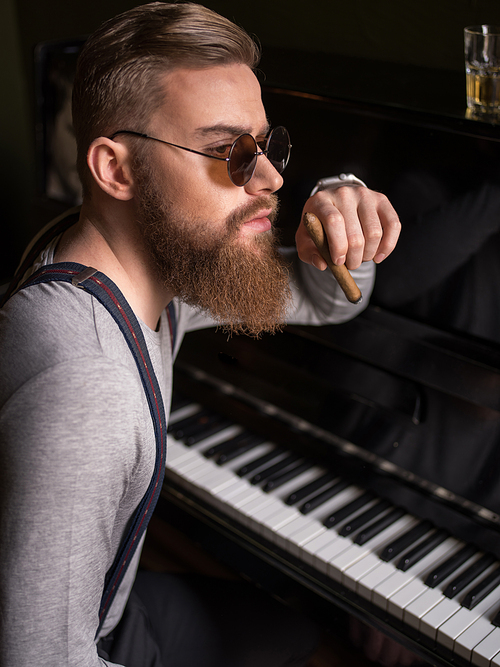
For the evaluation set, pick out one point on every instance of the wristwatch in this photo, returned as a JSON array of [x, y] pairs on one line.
[[335, 182]]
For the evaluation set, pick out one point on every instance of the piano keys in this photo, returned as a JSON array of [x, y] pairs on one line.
[[371, 567], [272, 470]]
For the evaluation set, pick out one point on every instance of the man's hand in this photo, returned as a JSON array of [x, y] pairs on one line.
[[360, 224]]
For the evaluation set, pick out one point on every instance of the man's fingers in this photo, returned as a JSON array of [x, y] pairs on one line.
[[391, 230], [360, 225]]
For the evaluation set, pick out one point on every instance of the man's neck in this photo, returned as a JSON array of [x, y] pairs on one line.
[[109, 241]]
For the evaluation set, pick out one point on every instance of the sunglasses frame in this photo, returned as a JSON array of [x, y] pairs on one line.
[[249, 172]]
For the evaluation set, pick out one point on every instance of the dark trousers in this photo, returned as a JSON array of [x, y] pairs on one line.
[[197, 621]]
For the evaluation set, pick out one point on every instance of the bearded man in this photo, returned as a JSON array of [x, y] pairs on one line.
[[179, 169]]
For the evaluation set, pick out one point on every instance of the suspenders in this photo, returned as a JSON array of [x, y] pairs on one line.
[[108, 294]]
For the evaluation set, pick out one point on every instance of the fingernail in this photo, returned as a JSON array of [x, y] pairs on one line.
[[340, 260], [318, 262], [379, 258]]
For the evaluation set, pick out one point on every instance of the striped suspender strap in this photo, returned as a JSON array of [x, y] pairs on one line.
[[105, 291]]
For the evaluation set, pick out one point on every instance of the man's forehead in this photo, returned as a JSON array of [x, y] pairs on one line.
[[217, 100]]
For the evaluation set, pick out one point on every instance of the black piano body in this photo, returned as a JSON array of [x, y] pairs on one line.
[[403, 401]]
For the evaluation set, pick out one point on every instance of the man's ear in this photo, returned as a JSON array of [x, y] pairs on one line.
[[109, 164]]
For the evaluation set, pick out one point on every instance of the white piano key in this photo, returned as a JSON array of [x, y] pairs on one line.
[[216, 438], [432, 597], [217, 482], [189, 464], [474, 635], [421, 606], [346, 496], [397, 581], [314, 552], [301, 480], [284, 535], [271, 523], [270, 513], [221, 500], [451, 629], [228, 492], [397, 602], [339, 565], [443, 610], [383, 570], [362, 567], [246, 494], [224, 492], [374, 578], [366, 577], [175, 450], [233, 509], [283, 491], [484, 652], [437, 616], [324, 541], [269, 509], [213, 481], [176, 470], [330, 551], [247, 457], [300, 536], [248, 509]]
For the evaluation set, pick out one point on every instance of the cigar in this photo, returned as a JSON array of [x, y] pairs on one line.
[[341, 273]]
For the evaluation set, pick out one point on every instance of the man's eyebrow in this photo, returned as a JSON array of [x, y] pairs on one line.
[[231, 130]]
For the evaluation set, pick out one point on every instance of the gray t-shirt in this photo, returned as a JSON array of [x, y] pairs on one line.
[[77, 454]]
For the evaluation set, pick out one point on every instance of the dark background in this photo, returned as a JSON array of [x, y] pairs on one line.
[[323, 36]]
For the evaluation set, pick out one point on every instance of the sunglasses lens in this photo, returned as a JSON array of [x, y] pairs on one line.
[[242, 159], [278, 148]]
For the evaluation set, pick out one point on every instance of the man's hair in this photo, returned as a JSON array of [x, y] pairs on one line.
[[118, 81]]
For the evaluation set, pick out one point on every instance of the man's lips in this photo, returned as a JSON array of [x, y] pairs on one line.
[[259, 223]]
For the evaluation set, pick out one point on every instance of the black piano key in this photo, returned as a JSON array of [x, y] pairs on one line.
[[323, 497], [394, 549], [195, 427], [449, 566], [227, 445], [187, 421], [308, 489], [346, 510], [368, 533], [496, 620], [422, 549], [465, 578], [484, 588], [268, 472], [259, 462], [279, 479], [205, 430], [250, 444], [361, 520]]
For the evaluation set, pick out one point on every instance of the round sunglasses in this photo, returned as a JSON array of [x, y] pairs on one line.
[[243, 154]]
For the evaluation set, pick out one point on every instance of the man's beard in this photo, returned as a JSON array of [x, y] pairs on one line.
[[243, 286]]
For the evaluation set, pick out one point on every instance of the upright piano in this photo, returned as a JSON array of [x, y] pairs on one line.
[[357, 467]]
